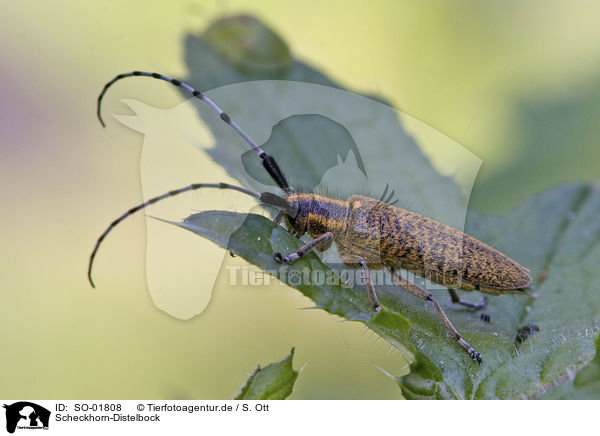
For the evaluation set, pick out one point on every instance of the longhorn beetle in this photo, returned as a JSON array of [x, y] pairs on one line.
[[368, 233]]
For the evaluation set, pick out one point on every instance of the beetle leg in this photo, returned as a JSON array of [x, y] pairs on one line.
[[370, 287], [278, 217], [325, 245], [323, 239], [457, 300], [354, 260], [425, 295]]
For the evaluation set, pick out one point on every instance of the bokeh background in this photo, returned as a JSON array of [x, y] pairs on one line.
[[516, 83]]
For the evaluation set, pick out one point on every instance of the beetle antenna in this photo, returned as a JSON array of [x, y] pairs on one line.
[[268, 161], [265, 197]]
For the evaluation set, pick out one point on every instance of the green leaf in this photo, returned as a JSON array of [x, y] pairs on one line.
[[556, 234], [585, 385], [273, 382]]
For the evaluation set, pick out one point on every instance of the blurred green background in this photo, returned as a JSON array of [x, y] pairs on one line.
[[517, 83]]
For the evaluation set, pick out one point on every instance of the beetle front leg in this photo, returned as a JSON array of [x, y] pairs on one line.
[[278, 217], [321, 240]]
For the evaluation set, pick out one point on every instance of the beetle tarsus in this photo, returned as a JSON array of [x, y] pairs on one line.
[[476, 356]]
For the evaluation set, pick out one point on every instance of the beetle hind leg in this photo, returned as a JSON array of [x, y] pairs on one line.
[[426, 295], [457, 300]]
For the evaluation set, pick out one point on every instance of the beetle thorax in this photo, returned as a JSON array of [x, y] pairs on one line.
[[317, 214]]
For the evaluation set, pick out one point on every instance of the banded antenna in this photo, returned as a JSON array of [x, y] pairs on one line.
[[266, 197], [268, 161]]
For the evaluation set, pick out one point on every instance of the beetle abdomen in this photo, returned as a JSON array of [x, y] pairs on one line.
[[403, 239]]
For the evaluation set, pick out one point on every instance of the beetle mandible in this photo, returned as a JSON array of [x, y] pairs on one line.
[[368, 233]]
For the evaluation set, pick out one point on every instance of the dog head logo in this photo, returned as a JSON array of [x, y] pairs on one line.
[[27, 415]]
